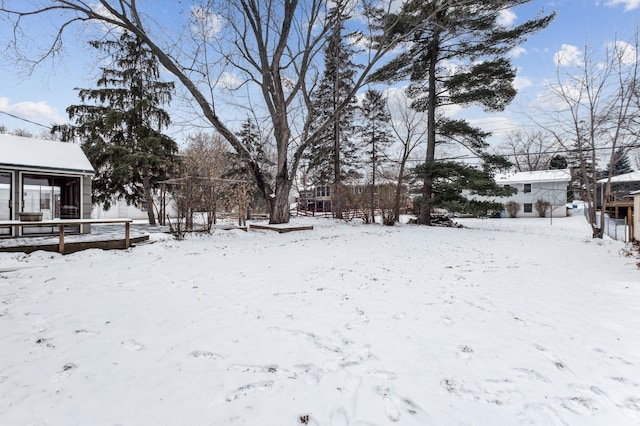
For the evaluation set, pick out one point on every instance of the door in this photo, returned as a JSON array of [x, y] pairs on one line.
[[5, 201]]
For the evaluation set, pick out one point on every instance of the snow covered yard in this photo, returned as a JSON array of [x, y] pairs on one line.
[[504, 322]]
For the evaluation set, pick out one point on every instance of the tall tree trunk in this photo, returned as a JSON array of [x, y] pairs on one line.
[[148, 196], [279, 201], [337, 175], [373, 181], [396, 202], [427, 188]]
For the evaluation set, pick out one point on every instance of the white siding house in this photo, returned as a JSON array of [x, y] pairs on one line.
[[546, 185], [120, 209], [46, 178]]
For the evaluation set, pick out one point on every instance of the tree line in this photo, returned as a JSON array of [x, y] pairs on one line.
[[311, 74]]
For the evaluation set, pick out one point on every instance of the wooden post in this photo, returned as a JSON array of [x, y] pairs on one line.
[[127, 227], [61, 239]]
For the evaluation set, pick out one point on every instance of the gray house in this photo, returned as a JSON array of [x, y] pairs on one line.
[[51, 179]]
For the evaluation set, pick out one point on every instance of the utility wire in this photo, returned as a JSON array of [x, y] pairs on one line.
[[24, 119]]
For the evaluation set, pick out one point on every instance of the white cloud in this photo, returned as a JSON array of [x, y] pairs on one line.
[[627, 53], [205, 23], [101, 10], [522, 83], [567, 55], [229, 81], [516, 52], [628, 4], [506, 17], [498, 126], [39, 112]]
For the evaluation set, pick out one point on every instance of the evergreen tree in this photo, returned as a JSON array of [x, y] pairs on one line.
[[332, 159], [621, 164], [468, 34], [121, 132], [376, 136], [249, 135], [558, 162]]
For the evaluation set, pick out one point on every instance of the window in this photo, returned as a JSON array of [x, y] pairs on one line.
[[56, 197], [528, 208], [527, 188]]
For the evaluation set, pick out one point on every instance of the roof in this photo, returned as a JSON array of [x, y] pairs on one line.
[[559, 175], [627, 177], [31, 153]]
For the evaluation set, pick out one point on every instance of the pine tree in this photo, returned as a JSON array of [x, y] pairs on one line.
[[468, 34], [249, 135], [621, 163], [332, 159], [375, 134], [121, 132], [558, 162]]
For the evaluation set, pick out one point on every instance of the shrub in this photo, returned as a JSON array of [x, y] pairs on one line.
[[541, 207], [512, 208]]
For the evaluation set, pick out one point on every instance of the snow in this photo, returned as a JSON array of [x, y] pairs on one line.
[[18, 151], [560, 175], [503, 322], [626, 177]]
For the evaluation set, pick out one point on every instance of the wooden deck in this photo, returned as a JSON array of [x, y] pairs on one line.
[[28, 244]]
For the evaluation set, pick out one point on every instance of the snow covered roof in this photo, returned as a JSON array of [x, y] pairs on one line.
[[31, 153], [627, 177], [560, 175]]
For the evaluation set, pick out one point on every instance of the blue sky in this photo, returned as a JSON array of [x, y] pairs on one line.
[[43, 96]]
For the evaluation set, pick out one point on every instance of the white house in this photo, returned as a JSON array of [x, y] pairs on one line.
[[121, 209], [43, 177], [547, 185]]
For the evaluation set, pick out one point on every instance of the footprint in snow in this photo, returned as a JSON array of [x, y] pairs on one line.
[[254, 368], [579, 405], [249, 389], [205, 354], [465, 351], [132, 345], [554, 359], [532, 374]]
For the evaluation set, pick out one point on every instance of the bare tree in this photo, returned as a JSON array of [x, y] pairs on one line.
[[530, 150], [273, 46], [205, 159], [408, 125], [596, 115]]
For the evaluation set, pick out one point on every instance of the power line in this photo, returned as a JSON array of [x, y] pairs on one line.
[[554, 152], [25, 120]]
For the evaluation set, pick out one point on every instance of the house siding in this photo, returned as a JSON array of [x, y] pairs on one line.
[[553, 192]]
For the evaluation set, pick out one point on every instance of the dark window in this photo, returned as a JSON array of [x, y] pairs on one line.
[[527, 187], [528, 208]]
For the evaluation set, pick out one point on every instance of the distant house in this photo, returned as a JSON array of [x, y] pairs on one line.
[[43, 177], [622, 187], [120, 208], [546, 185]]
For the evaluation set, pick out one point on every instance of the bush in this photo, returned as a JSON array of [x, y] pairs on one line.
[[512, 208], [541, 207]]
